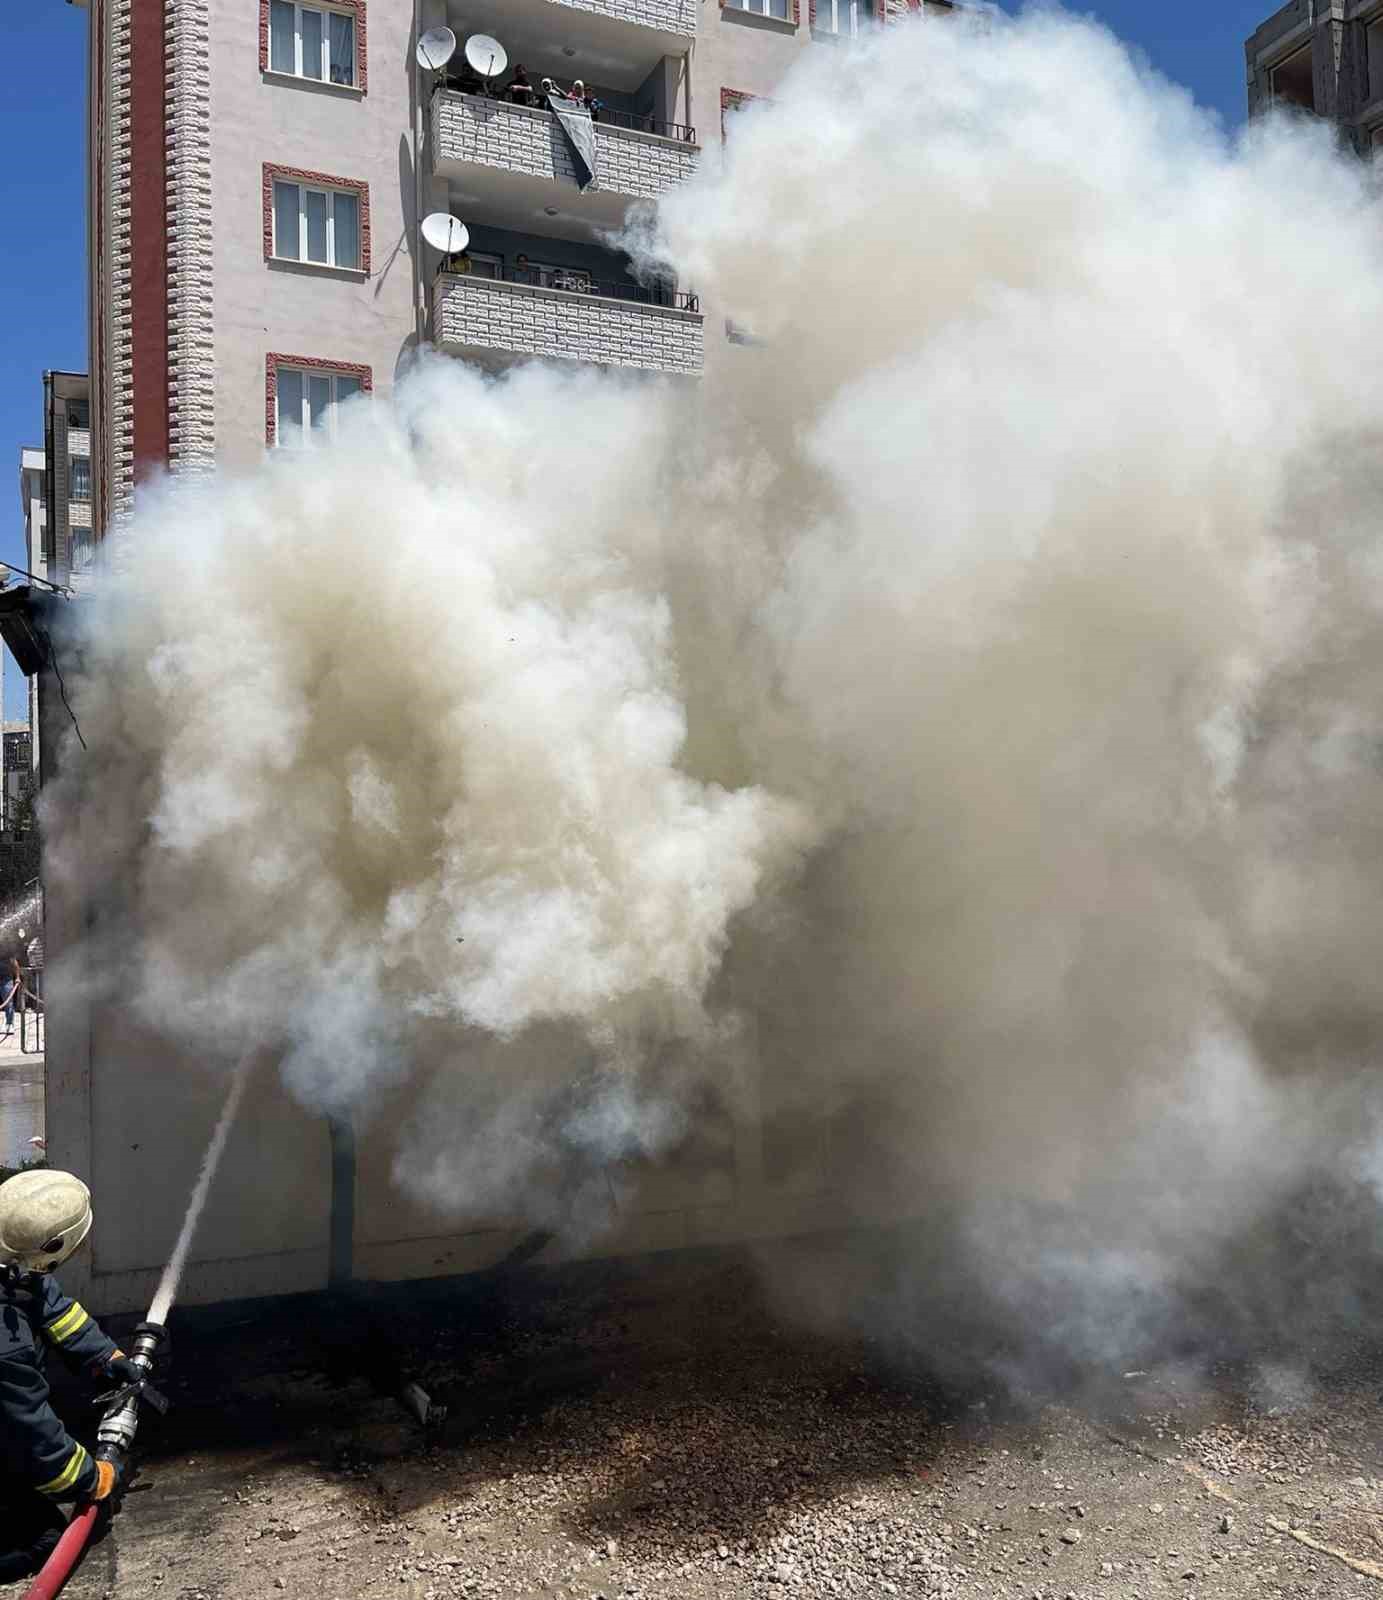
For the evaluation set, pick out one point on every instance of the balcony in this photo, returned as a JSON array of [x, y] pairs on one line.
[[612, 325], [514, 162], [612, 42]]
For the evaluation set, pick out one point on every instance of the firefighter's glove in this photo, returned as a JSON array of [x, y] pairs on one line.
[[124, 1371], [108, 1477]]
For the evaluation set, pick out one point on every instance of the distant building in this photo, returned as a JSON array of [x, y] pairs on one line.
[[55, 493], [1325, 57], [18, 770], [68, 546], [34, 506], [256, 198]]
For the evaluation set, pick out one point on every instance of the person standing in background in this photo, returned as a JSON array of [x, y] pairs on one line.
[[34, 956], [14, 982]]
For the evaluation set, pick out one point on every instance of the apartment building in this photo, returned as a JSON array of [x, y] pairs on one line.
[[68, 533], [259, 170], [1324, 57]]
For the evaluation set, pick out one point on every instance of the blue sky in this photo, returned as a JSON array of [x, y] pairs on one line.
[[42, 270]]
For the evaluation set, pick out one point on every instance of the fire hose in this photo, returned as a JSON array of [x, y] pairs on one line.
[[114, 1439]]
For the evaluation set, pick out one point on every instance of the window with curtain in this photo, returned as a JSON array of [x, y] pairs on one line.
[[79, 478], [312, 42], [305, 410], [317, 225]]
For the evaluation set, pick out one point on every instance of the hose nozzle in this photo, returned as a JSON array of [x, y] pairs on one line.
[[118, 1427]]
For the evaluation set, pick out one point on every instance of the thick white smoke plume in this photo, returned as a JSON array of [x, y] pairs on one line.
[[960, 715]]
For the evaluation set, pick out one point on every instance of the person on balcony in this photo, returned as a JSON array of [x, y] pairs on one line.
[[520, 89], [467, 80]]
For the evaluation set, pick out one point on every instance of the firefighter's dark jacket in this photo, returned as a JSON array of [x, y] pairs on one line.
[[36, 1451]]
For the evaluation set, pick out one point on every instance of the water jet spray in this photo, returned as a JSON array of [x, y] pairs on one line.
[[115, 1435]]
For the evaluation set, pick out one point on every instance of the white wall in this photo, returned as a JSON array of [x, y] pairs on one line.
[[121, 1108], [289, 308]]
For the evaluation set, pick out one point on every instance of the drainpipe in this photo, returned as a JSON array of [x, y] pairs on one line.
[[416, 238], [341, 1237], [686, 86]]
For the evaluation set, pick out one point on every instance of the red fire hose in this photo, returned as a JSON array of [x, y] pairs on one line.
[[114, 1438], [58, 1567]]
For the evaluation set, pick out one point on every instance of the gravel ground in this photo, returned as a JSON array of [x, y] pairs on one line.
[[652, 1429]]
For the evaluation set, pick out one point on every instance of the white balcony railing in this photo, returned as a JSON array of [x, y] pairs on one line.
[[470, 130], [494, 316]]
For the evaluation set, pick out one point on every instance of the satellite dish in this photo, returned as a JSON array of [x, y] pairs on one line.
[[446, 233], [435, 48], [486, 56]]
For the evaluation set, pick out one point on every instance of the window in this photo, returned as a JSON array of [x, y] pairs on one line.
[[1374, 42], [305, 405], [843, 16], [311, 42], [79, 478], [1292, 81], [317, 225], [761, 8]]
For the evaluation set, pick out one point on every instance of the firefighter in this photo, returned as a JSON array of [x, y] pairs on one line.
[[44, 1217]]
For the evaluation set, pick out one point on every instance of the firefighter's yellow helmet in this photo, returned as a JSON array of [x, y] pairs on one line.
[[44, 1216]]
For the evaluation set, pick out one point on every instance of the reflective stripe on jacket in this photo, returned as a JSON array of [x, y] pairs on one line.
[[35, 1448]]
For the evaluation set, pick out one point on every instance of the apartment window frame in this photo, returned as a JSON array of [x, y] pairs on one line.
[[355, 9], [320, 183], [789, 17], [732, 100], [1372, 40], [308, 368], [826, 14], [1293, 60], [79, 480]]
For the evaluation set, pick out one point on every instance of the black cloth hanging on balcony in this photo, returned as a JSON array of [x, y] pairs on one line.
[[580, 131]]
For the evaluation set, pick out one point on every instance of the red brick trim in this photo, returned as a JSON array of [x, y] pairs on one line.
[[355, 6], [97, 303], [148, 202], [318, 180], [811, 14], [732, 100], [274, 360]]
